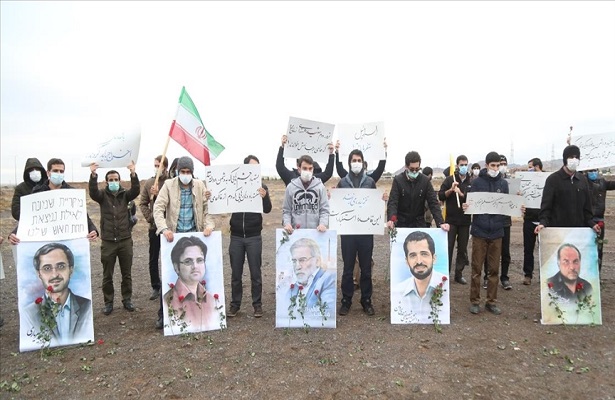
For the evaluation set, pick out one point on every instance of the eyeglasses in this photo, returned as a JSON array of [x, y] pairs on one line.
[[414, 169], [58, 268], [300, 261], [190, 262]]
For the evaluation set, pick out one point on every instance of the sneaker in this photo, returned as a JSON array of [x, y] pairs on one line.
[[155, 294], [234, 310], [493, 309], [461, 280], [474, 308], [485, 283], [128, 305], [527, 281], [258, 311], [159, 323], [108, 308], [344, 309], [506, 285], [368, 308]]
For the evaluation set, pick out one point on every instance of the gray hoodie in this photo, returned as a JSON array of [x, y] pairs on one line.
[[307, 208]]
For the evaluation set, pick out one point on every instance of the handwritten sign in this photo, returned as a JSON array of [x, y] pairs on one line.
[[307, 137], [597, 151], [494, 203], [116, 151], [368, 137], [531, 186], [357, 211], [53, 215], [234, 188]]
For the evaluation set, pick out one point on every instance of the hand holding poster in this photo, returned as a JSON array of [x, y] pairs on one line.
[[531, 187], [307, 137], [494, 203], [117, 151], [367, 137], [234, 188], [356, 211], [597, 150], [53, 215]]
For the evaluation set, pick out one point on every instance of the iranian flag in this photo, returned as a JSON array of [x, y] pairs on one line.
[[187, 129]]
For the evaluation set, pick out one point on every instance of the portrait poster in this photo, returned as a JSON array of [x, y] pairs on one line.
[[597, 151], [419, 280], [192, 283], [1, 267], [54, 293], [531, 186], [494, 203], [367, 137], [116, 150], [234, 188], [357, 211], [569, 277], [306, 279], [53, 215], [310, 138]]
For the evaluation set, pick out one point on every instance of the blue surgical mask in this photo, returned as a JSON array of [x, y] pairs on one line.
[[412, 175], [592, 175], [114, 186], [463, 170], [56, 178]]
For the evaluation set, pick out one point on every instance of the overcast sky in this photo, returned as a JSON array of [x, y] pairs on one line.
[[445, 77]]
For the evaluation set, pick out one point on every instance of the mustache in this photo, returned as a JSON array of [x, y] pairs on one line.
[[56, 280], [419, 265]]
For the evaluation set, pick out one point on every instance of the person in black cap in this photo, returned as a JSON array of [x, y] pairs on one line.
[[566, 198]]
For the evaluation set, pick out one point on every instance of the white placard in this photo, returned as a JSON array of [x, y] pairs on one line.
[[513, 185], [117, 151], [53, 215], [494, 203], [307, 137], [597, 150], [234, 188], [357, 211], [531, 187], [367, 137]]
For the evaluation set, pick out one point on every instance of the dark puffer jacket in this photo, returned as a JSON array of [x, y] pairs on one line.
[[488, 226], [407, 201], [25, 187], [247, 224], [598, 190]]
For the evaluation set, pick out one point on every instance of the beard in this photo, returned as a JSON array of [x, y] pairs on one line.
[[421, 275], [570, 281]]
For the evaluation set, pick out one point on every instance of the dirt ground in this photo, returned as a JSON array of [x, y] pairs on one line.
[[477, 356]]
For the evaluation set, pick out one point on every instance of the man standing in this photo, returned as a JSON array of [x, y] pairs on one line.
[[354, 246], [453, 192], [598, 187], [410, 299], [487, 231], [530, 220], [567, 284], [33, 172], [116, 233], [246, 239], [146, 204], [289, 174], [306, 204], [407, 198], [181, 206]]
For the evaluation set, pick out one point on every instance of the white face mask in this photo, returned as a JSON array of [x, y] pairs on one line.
[[356, 167], [35, 175], [503, 169], [475, 172], [493, 173], [185, 178], [573, 164], [306, 176]]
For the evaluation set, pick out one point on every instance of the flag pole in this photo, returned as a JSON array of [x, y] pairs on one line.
[[164, 155], [452, 171]]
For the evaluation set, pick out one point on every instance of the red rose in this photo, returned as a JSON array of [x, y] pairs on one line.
[[579, 286], [100, 341], [550, 285], [171, 285], [203, 282], [49, 288], [316, 292], [38, 300], [216, 296], [444, 279], [601, 225], [298, 226], [292, 286], [300, 287], [394, 218], [440, 284], [181, 298]]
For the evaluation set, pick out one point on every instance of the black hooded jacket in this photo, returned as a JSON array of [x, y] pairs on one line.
[[25, 187]]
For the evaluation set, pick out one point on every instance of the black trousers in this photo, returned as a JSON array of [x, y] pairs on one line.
[[529, 244], [363, 247], [460, 234], [238, 248], [154, 254]]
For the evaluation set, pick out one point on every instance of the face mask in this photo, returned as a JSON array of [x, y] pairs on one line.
[[463, 170], [156, 171], [475, 172], [573, 163], [185, 178], [493, 173], [114, 186], [412, 175], [592, 175], [530, 169], [56, 178], [503, 169], [356, 167], [306, 176], [35, 175]]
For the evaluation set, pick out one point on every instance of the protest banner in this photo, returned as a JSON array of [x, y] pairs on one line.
[[531, 185], [234, 188], [53, 215], [597, 151], [367, 137], [307, 137], [357, 211], [116, 151], [494, 203]]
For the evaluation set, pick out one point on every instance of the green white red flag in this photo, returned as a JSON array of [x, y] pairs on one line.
[[188, 130]]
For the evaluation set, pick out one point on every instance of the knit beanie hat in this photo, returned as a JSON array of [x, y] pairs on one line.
[[492, 157], [570, 152], [185, 162]]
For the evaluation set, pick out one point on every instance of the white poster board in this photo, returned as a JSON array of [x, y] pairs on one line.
[[184, 312], [597, 151], [367, 137], [234, 188], [494, 203], [357, 211], [115, 151], [531, 187], [53, 215], [307, 137]]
